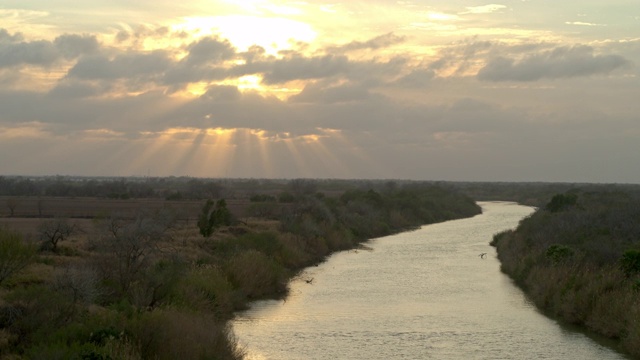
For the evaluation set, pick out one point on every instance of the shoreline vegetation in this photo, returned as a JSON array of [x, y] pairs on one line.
[[578, 259], [162, 282]]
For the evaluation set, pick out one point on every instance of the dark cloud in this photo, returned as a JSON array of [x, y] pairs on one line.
[[14, 51], [5, 37], [75, 89], [129, 65], [209, 51], [300, 67], [180, 75], [122, 36], [222, 93], [72, 46], [204, 62], [254, 52], [41, 53], [561, 62], [303, 68]]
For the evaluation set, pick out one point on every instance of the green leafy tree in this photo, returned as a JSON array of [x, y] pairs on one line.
[[561, 202], [558, 253], [213, 215], [630, 262], [15, 255]]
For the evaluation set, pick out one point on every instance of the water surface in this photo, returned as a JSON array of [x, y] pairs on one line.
[[424, 294]]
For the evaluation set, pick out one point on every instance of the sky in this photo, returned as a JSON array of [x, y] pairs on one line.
[[455, 90]]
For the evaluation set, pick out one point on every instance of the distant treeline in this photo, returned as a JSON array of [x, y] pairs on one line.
[[263, 190], [578, 258], [529, 193], [122, 188]]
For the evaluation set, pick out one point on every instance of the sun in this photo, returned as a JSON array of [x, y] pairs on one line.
[[243, 31]]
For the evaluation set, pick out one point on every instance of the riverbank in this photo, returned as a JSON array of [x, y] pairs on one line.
[[150, 287], [577, 259]]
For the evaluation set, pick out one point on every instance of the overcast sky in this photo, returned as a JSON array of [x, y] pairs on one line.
[[516, 90]]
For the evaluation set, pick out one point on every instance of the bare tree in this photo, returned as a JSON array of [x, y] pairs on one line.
[[129, 246], [12, 204], [53, 231], [40, 205], [78, 282]]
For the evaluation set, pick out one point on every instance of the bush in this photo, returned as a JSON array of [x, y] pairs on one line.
[[262, 198], [15, 255], [212, 218], [170, 334], [256, 275], [558, 253], [499, 236], [630, 262], [286, 197], [561, 202], [205, 289]]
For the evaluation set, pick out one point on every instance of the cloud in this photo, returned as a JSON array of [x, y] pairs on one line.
[[204, 62], [128, 65], [72, 46], [75, 89], [5, 37], [484, 9], [416, 79], [377, 42], [299, 67], [15, 51], [330, 95], [222, 93], [209, 51], [581, 23], [561, 62], [41, 53]]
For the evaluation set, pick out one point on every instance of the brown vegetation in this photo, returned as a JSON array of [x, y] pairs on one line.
[[578, 259], [138, 280]]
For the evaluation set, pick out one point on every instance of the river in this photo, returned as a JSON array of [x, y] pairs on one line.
[[424, 294]]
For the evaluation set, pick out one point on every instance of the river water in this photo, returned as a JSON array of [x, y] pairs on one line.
[[424, 294]]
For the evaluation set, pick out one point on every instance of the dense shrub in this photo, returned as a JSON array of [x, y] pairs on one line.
[[558, 253], [256, 275], [630, 262], [561, 202], [213, 217], [15, 254], [170, 334], [573, 260]]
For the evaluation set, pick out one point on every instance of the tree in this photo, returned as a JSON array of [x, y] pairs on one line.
[[129, 246], [15, 255], [53, 231], [630, 262], [40, 205], [12, 204], [212, 218], [561, 202]]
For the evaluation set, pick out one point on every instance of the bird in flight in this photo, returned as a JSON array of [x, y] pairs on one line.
[[309, 281], [482, 255]]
